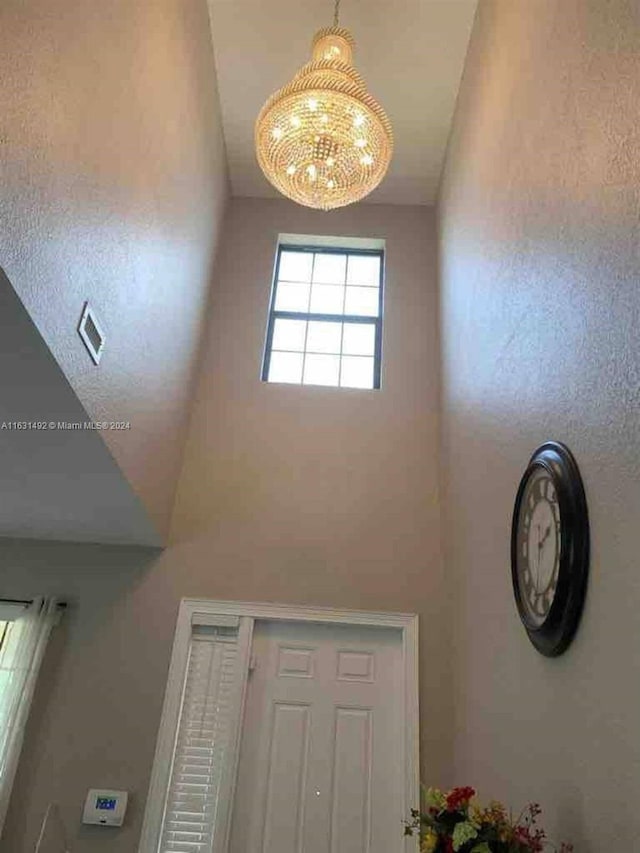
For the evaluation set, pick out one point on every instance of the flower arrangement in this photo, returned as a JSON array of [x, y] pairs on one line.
[[450, 822]]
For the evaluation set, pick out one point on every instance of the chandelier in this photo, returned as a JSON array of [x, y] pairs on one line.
[[322, 140]]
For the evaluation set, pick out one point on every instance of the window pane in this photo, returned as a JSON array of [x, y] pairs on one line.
[[327, 298], [362, 300], [327, 350], [295, 266], [289, 334], [324, 337], [359, 339], [363, 269], [292, 297], [329, 269], [321, 369], [285, 367], [356, 372]]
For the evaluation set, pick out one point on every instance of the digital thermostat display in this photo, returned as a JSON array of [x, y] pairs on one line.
[[103, 806]]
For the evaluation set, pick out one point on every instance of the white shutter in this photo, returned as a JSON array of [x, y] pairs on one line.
[[204, 761]]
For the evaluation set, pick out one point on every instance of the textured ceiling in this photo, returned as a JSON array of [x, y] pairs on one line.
[[410, 52]]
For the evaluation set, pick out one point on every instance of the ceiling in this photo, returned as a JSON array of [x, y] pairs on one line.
[[410, 52]]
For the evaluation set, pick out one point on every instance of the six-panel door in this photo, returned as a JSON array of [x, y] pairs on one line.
[[322, 750]]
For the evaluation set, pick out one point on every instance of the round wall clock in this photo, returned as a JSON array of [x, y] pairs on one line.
[[550, 548]]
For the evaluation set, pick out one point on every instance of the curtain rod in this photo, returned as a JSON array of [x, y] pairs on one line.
[[25, 601]]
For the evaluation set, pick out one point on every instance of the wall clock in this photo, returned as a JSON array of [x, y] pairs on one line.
[[550, 548]]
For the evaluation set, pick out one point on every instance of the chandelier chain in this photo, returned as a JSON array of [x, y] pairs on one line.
[[336, 13]]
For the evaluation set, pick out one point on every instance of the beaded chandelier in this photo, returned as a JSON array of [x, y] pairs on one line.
[[322, 140]]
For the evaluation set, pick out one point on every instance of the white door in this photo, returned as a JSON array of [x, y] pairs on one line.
[[322, 753]]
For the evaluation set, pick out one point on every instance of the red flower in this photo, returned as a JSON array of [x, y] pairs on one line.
[[458, 798], [448, 845]]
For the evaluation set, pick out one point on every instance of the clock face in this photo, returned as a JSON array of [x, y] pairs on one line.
[[538, 546]]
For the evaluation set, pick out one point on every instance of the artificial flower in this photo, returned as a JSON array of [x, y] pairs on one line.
[[463, 832], [429, 841], [451, 824], [435, 799], [458, 798]]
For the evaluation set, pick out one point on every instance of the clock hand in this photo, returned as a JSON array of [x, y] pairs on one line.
[[546, 536]]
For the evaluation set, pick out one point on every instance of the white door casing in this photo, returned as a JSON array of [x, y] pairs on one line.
[[194, 611]]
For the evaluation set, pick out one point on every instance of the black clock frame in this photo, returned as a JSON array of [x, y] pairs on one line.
[[553, 636]]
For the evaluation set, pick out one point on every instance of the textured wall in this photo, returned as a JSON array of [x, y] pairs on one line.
[[316, 495], [310, 495], [112, 188], [55, 483], [540, 309]]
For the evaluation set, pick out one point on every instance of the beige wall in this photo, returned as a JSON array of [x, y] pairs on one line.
[[326, 496], [112, 190], [288, 494], [98, 698], [540, 310]]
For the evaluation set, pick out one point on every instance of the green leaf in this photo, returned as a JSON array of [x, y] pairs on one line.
[[481, 848]]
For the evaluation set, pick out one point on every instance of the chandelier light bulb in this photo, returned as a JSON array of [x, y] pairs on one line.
[[326, 123]]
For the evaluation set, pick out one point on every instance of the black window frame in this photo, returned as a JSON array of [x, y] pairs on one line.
[[332, 318]]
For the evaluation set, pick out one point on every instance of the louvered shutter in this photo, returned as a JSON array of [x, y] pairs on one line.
[[196, 809]]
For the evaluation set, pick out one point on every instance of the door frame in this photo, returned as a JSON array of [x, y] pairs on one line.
[[194, 610]]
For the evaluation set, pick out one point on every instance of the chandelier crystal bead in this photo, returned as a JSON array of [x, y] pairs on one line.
[[323, 140]]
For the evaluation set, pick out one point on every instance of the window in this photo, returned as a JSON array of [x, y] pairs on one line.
[[325, 319], [24, 632]]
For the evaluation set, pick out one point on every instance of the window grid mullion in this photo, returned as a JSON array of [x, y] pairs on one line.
[[328, 318], [306, 330], [344, 285], [313, 269], [344, 306], [304, 351]]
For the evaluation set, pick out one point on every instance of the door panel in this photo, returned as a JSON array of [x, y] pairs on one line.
[[286, 778], [321, 757], [351, 806]]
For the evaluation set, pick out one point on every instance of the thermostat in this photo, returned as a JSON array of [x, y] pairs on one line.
[[106, 808]]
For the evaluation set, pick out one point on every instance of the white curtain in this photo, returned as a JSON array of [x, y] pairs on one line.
[[20, 659]]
